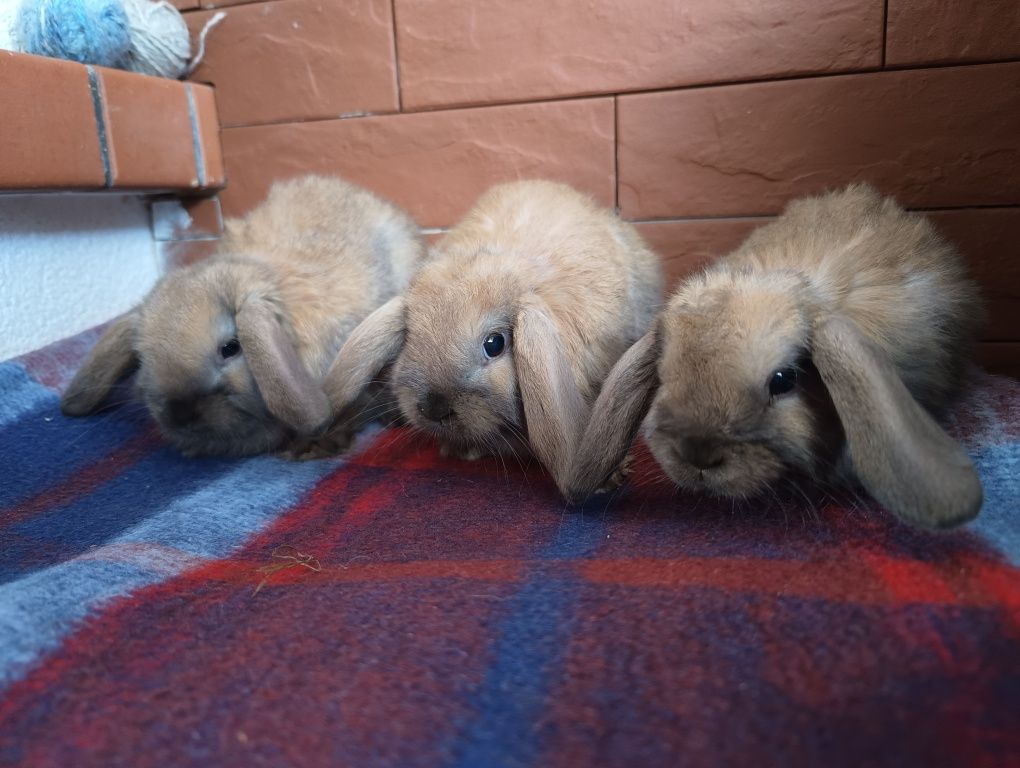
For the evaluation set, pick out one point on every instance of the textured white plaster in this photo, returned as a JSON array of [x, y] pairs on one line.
[[69, 262]]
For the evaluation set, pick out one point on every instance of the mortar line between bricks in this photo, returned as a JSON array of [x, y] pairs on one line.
[[396, 56], [637, 92], [773, 214], [885, 30], [616, 154]]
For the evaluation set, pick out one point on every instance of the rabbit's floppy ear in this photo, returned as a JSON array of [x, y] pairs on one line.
[[622, 404], [901, 455], [374, 344], [553, 406], [110, 360], [287, 388]]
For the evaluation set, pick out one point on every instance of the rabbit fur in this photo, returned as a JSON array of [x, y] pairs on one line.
[[858, 302], [564, 284], [231, 352]]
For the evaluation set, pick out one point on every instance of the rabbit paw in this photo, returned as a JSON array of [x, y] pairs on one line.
[[620, 475], [319, 447]]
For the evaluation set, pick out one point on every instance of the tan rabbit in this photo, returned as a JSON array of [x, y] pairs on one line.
[[824, 345], [511, 327], [231, 352]]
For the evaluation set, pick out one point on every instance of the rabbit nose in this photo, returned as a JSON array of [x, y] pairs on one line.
[[701, 452], [435, 407], [181, 411]]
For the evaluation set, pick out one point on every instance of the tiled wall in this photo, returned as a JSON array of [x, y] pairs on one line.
[[66, 126], [698, 119]]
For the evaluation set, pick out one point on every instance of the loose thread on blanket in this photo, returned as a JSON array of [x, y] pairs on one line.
[[288, 557]]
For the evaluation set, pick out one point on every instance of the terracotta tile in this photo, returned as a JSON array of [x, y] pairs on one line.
[[935, 31], [299, 60], [181, 253], [935, 138], [1001, 357], [456, 52], [148, 131], [988, 240], [203, 102], [48, 134], [196, 218], [434, 163], [686, 246]]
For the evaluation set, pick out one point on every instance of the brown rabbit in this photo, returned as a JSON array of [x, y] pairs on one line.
[[824, 344], [231, 352], [511, 327]]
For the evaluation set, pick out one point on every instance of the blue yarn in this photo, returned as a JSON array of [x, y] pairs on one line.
[[86, 31]]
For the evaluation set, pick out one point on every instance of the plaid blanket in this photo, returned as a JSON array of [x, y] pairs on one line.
[[399, 609]]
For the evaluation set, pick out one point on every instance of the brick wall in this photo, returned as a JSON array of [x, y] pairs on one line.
[[697, 119]]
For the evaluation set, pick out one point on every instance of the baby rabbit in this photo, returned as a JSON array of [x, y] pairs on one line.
[[510, 328], [231, 351], [824, 344]]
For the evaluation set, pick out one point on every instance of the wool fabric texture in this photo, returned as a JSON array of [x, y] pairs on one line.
[[87, 31], [160, 42], [462, 616]]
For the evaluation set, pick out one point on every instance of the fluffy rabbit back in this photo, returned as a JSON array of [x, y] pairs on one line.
[[338, 252], [887, 271]]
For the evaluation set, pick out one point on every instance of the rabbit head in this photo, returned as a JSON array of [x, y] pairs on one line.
[[216, 362], [740, 402]]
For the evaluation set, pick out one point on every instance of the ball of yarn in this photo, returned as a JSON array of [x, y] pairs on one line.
[[86, 31], [160, 43]]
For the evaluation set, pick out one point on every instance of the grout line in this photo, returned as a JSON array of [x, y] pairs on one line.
[[769, 216], [97, 105], [196, 138], [885, 30], [396, 56], [616, 154], [637, 92]]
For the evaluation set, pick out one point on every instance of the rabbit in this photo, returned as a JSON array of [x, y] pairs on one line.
[[826, 345], [503, 338], [231, 351]]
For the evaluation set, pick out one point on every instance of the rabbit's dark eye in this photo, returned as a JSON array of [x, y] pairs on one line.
[[494, 345], [230, 349], [782, 381]]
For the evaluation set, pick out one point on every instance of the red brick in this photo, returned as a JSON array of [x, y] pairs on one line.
[[150, 141], [988, 239], [456, 52], [433, 163], [687, 246], [299, 60], [208, 130], [936, 31], [48, 133], [935, 138], [189, 218]]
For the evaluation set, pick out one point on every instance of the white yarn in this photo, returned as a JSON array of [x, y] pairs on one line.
[[8, 13], [216, 19], [160, 43]]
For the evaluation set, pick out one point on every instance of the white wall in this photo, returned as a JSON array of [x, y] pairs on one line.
[[69, 262]]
